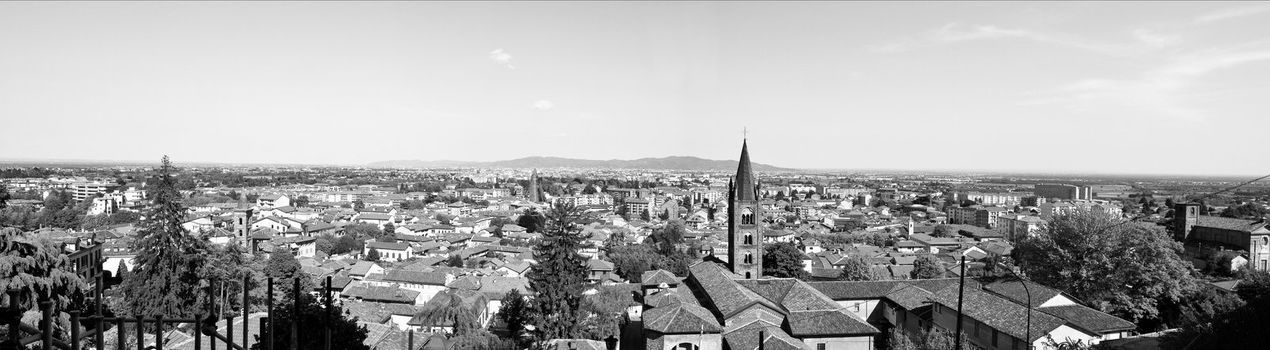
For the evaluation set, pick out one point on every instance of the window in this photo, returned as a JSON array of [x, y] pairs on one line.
[[749, 238], [820, 346], [994, 337], [749, 258], [747, 275]]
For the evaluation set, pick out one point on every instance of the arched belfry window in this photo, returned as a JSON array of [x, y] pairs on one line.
[[747, 217], [749, 238], [749, 258]]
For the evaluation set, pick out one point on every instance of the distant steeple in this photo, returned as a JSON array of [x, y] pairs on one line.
[[745, 231], [745, 184], [532, 192]]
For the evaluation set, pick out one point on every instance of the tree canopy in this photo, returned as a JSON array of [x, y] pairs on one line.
[[345, 332], [560, 275], [927, 267], [1124, 268], [33, 268], [856, 269], [783, 260], [168, 259]]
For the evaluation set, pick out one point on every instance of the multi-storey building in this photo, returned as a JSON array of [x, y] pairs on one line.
[[85, 190], [1063, 191], [990, 198]]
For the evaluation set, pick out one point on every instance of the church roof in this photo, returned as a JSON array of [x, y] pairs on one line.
[[728, 296], [680, 318]]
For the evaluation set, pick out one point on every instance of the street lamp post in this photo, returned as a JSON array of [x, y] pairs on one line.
[[1028, 330]]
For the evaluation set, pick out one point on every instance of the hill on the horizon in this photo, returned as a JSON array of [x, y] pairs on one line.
[[667, 163]]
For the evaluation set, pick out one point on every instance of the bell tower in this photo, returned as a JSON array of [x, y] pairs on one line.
[[745, 234]]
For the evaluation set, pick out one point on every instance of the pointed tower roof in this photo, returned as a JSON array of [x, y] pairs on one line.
[[745, 185], [533, 193]]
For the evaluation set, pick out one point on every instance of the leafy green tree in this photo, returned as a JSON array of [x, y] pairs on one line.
[[282, 265], [324, 243], [121, 272], [603, 313], [1253, 284], [783, 260], [372, 255], [531, 220], [449, 308], [31, 268], [1124, 268], [669, 236], [124, 217], [560, 275], [361, 231], [4, 195], [1244, 211], [927, 267], [168, 260], [1241, 328], [896, 339], [358, 205], [454, 261], [347, 244], [631, 261], [856, 269], [944, 231], [444, 219], [515, 312], [345, 332], [480, 339], [301, 201]]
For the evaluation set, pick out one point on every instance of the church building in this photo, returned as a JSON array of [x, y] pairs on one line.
[[731, 306]]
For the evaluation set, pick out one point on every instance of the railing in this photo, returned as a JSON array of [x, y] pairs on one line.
[[44, 334]]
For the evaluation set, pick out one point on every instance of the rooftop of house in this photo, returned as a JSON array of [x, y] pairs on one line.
[[1231, 223]]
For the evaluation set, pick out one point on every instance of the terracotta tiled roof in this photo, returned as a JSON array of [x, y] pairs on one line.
[[728, 296], [1230, 223], [1000, 313], [415, 277], [681, 318], [1089, 319]]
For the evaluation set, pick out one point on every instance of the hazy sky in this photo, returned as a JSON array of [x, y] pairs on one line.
[[1134, 87]]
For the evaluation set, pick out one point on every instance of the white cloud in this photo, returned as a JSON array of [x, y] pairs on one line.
[[543, 105], [958, 32], [502, 58], [1230, 13], [1166, 90]]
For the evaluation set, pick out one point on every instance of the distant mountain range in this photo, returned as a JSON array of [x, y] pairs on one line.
[[665, 163]]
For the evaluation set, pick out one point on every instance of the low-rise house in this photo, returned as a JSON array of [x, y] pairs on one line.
[[359, 290], [599, 271], [198, 225], [426, 283], [390, 251], [361, 269]]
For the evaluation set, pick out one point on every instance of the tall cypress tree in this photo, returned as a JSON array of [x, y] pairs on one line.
[[165, 280], [560, 275]]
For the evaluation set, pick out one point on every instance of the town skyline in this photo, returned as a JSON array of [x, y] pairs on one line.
[[1022, 87]]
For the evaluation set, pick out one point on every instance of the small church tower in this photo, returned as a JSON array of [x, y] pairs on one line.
[[532, 193], [745, 234]]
